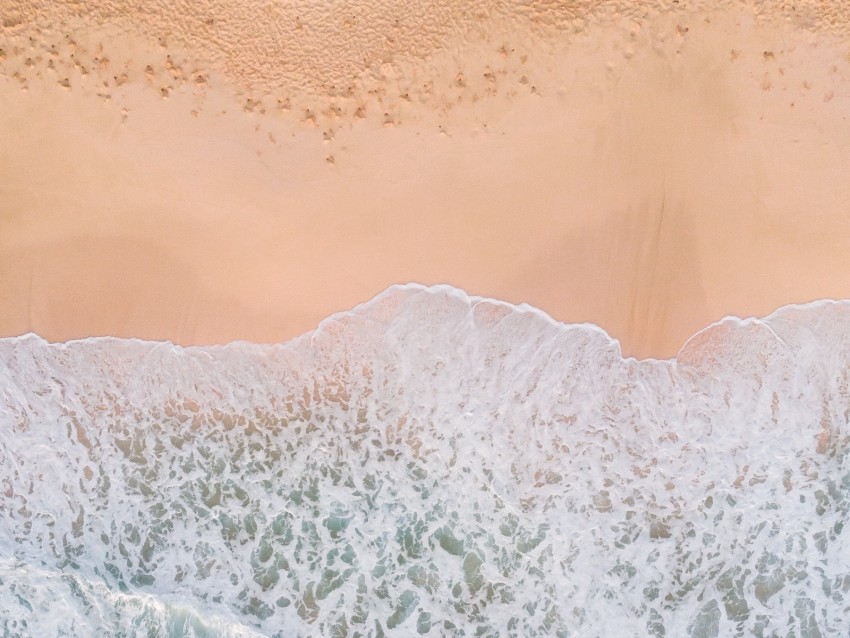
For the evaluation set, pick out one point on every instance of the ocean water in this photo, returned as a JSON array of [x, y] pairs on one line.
[[430, 463]]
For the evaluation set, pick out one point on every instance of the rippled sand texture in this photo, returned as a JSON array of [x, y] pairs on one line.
[[214, 171]]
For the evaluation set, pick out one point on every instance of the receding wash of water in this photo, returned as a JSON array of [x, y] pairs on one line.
[[430, 463]]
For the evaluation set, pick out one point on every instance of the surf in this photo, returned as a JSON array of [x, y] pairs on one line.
[[430, 462]]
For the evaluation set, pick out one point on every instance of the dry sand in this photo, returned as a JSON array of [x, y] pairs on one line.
[[242, 171]]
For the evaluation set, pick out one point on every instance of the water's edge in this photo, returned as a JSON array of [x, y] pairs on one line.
[[430, 463]]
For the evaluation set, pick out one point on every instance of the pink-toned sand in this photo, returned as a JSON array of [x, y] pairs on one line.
[[240, 174]]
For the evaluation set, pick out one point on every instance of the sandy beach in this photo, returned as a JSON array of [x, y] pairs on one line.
[[242, 172]]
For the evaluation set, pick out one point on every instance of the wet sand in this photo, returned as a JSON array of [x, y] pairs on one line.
[[235, 174]]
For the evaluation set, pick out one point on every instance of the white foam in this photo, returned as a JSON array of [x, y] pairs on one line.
[[433, 461]]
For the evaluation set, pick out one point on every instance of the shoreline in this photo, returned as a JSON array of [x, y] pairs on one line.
[[700, 348], [648, 176]]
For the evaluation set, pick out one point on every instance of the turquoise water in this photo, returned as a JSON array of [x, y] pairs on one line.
[[430, 464]]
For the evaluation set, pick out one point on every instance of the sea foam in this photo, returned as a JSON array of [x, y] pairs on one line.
[[430, 463]]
